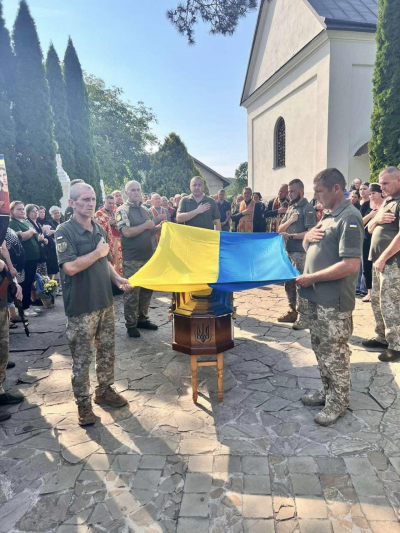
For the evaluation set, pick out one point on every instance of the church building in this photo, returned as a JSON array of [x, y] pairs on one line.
[[308, 91]]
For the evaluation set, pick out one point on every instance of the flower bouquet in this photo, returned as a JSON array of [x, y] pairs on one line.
[[46, 289]]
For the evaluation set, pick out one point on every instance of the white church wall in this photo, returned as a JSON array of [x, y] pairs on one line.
[[288, 27], [301, 97], [350, 101]]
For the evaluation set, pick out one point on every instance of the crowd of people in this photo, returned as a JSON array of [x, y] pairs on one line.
[[333, 240]]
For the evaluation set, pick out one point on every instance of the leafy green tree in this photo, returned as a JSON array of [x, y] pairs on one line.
[[121, 132], [7, 126], [222, 15], [171, 168], [58, 101], [384, 148], [86, 166], [35, 147], [241, 180]]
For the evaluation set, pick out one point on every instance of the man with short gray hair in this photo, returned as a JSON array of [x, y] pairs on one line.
[[333, 258], [136, 225], [83, 258], [385, 254]]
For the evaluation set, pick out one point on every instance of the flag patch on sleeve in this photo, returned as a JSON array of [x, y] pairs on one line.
[[352, 225]]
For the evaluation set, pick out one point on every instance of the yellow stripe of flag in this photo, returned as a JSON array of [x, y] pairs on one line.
[[186, 259]]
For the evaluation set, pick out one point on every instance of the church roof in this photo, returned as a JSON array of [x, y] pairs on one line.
[[356, 15], [345, 15]]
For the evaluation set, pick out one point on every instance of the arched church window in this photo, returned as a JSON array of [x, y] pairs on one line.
[[280, 143]]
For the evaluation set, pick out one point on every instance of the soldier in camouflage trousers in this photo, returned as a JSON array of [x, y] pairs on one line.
[[333, 259], [331, 330], [385, 254], [137, 227], [136, 301], [385, 300], [297, 304], [86, 276], [84, 333]]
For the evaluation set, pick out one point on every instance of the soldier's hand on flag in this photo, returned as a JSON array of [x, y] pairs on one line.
[[305, 280], [124, 285]]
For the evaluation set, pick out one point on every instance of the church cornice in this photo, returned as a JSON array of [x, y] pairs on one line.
[[296, 60]]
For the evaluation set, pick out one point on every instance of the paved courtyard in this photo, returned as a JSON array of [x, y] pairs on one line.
[[256, 463]]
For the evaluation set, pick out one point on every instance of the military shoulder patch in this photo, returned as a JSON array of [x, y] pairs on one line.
[[62, 246], [353, 225]]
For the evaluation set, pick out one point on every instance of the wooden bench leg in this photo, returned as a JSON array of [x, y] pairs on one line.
[[220, 376], [193, 365]]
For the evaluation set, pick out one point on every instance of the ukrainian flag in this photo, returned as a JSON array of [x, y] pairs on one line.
[[191, 259]]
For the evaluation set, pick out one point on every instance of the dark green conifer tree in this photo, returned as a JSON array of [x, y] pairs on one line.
[[7, 126], [86, 166], [384, 147], [58, 102], [35, 147], [172, 168]]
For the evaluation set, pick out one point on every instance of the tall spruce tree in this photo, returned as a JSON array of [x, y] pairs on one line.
[[36, 150], [7, 126], [171, 168], [86, 166], [384, 148], [58, 102]]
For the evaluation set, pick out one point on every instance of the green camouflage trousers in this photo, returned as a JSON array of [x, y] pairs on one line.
[[296, 303], [330, 331], [4, 344], [84, 333], [136, 301], [385, 300]]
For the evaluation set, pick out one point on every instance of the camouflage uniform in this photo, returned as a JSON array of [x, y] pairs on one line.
[[4, 344], [136, 251], [296, 303], [385, 301], [136, 301], [86, 332], [330, 331]]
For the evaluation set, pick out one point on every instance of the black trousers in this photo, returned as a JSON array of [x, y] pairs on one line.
[[30, 271], [367, 265]]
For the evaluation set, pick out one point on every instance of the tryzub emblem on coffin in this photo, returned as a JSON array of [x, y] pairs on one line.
[[203, 332]]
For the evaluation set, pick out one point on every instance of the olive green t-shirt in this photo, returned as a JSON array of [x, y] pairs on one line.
[[140, 247], [307, 220], [30, 246], [202, 220], [384, 234], [90, 289], [344, 235]]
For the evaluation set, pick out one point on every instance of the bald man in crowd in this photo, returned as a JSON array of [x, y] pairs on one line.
[[197, 209], [136, 225]]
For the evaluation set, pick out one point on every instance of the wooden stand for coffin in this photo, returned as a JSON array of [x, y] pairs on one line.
[[202, 325]]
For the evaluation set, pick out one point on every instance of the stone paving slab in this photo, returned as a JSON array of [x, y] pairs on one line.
[[256, 463]]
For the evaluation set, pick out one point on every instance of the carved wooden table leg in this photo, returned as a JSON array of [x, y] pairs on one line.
[[193, 365], [220, 376]]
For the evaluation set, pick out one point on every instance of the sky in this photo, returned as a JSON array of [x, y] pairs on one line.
[[194, 90]]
